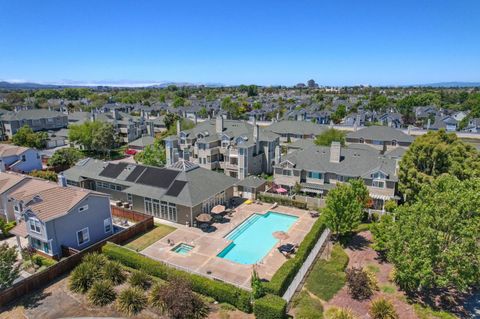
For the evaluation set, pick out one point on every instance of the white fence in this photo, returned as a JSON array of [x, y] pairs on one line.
[[306, 266]]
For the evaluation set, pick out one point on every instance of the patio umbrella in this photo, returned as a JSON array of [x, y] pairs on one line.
[[218, 209], [280, 235], [281, 190], [204, 218]]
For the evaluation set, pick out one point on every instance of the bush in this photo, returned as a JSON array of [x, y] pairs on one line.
[[220, 291], [270, 307], [339, 313], [48, 175], [113, 272], [42, 261], [83, 277], [101, 293], [285, 274], [285, 201], [382, 309], [95, 259], [139, 279], [131, 301], [359, 285], [5, 227], [372, 279]]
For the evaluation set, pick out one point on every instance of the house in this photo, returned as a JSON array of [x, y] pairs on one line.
[[127, 126], [237, 147], [425, 112], [142, 142], [318, 169], [249, 187], [54, 215], [473, 125], [177, 193], [19, 159], [382, 138], [444, 122], [8, 183], [37, 119], [290, 131], [391, 119]]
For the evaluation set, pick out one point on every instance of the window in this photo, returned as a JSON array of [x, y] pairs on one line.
[[24, 158], [378, 184], [83, 208], [156, 208], [83, 236], [287, 172], [129, 198], [172, 212], [164, 210], [35, 226], [148, 205], [107, 225], [379, 175], [315, 175], [394, 143]]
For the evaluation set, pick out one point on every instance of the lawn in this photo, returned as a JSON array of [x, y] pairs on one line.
[[307, 307], [146, 239], [328, 276]]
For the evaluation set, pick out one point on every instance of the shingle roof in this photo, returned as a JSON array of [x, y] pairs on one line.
[[9, 150], [9, 180], [31, 114], [143, 141], [296, 127], [381, 133]]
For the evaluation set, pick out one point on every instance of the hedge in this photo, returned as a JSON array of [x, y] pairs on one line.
[[285, 274], [220, 291], [285, 201], [270, 307]]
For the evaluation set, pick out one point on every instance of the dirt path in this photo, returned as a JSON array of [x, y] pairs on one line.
[[361, 255]]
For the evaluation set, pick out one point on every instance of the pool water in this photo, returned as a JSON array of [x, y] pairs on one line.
[[182, 249], [253, 238]]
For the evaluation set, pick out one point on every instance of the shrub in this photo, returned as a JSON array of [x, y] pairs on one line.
[[382, 309], [285, 274], [282, 201], [5, 227], [270, 307], [372, 279], [339, 313], [177, 300], [359, 285], [131, 301], [139, 279], [83, 277], [48, 175], [113, 272], [42, 261], [101, 293], [220, 291], [96, 260]]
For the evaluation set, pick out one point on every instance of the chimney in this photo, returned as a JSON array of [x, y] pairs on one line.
[[331, 124], [335, 149], [115, 114], [151, 129], [428, 124], [278, 155], [256, 138], [195, 119], [92, 115], [409, 130], [355, 126], [219, 124], [62, 181], [278, 116], [179, 127]]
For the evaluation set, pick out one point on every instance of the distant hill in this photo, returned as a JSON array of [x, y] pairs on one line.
[[451, 84], [27, 85], [119, 84]]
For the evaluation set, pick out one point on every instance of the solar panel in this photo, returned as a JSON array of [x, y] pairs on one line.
[[158, 177], [113, 170], [176, 188], [135, 173]]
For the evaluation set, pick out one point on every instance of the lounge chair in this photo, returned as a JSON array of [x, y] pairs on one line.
[[314, 214]]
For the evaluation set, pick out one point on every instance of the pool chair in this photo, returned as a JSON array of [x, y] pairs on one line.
[[314, 214], [287, 249]]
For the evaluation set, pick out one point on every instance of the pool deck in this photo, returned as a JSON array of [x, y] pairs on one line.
[[202, 259]]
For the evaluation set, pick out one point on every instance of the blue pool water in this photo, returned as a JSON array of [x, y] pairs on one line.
[[182, 249], [253, 238]]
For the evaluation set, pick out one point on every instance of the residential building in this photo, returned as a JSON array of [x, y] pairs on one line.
[[382, 138], [178, 193], [54, 215], [37, 119], [19, 159], [237, 147], [318, 169], [290, 131]]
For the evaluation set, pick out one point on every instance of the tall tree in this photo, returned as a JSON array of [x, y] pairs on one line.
[[9, 270], [433, 242], [153, 155], [331, 135], [65, 157], [432, 155], [104, 139], [343, 212], [25, 136]]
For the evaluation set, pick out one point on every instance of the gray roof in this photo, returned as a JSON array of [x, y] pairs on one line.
[[296, 127], [194, 185], [381, 133], [355, 161], [143, 141], [32, 114], [252, 181]]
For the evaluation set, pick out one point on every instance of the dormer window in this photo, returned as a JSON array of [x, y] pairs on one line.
[[35, 226], [394, 143], [379, 175], [362, 140]]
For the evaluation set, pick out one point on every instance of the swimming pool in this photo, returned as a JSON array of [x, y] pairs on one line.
[[182, 249], [253, 238]]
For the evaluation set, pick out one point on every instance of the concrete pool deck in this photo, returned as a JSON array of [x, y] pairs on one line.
[[202, 259]]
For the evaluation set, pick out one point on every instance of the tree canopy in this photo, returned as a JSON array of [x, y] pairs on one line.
[[65, 157], [433, 154], [25, 136], [153, 155], [96, 135], [9, 271], [433, 242], [331, 135]]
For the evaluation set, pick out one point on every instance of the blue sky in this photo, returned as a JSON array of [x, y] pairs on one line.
[[241, 42]]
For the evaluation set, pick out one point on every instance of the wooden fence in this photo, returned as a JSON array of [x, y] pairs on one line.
[[46, 276]]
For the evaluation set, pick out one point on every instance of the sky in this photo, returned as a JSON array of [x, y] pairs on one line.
[[278, 42]]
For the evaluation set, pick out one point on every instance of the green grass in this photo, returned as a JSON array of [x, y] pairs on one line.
[[328, 276], [428, 313], [306, 307], [146, 239], [373, 268], [388, 288]]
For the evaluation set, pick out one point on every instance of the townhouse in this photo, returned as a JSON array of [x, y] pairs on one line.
[[19, 159], [37, 119], [382, 138]]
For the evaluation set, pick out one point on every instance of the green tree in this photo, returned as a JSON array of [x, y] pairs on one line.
[[339, 114], [432, 155], [96, 135], [170, 119], [433, 242], [252, 90], [343, 212], [203, 113], [65, 157], [331, 135], [9, 269], [104, 139], [178, 101], [257, 105], [361, 192], [153, 155], [231, 107], [25, 136]]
